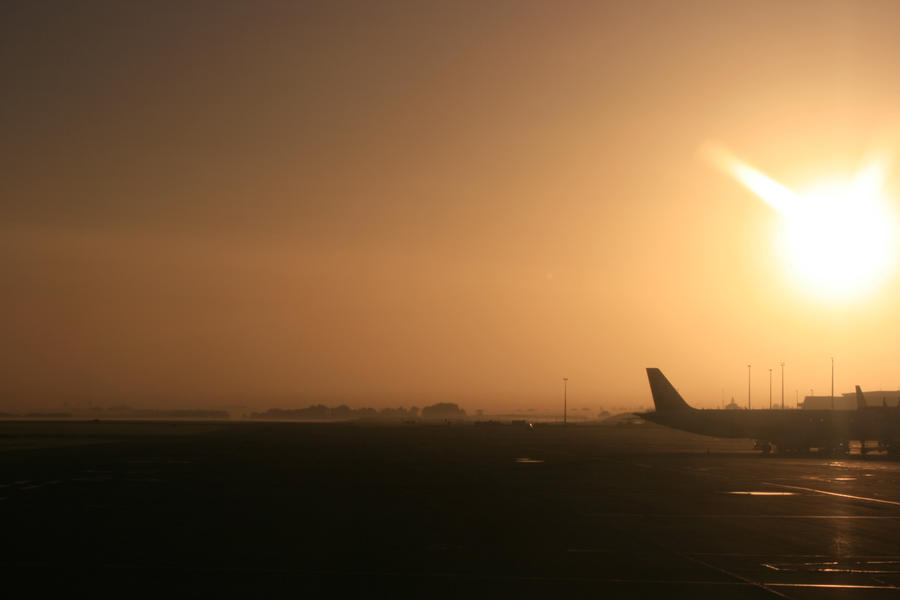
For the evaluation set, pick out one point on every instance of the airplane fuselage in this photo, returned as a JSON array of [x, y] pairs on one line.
[[800, 428], [790, 429]]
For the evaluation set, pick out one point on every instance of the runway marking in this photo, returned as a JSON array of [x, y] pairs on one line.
[[440, 575], [888, 558], [762, 493], [741, 581], [839, 495], [837, 566], [742, 516], [759, 584], [837, 586]]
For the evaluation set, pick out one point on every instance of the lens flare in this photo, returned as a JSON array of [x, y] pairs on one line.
[[838, 238]]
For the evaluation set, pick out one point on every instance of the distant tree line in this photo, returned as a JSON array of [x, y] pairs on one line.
[[320, 412], [444, 411]]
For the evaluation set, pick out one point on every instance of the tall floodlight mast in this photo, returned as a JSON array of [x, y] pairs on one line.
[[748, 388], [782, 386], [832, 383]]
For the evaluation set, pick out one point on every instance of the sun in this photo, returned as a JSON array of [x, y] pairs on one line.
[[837, 238], [841, 238]]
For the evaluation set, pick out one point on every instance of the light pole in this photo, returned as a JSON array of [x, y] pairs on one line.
[[770, 389], [832, 383], [565, 397], [748, 388], [782, 386]]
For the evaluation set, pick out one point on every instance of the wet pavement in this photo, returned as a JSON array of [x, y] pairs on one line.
[[632, 511]]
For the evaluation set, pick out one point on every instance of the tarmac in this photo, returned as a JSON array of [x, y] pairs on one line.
[[439, 510]]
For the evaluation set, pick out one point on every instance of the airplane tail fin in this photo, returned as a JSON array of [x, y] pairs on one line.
[[665, 396], [860, 399]]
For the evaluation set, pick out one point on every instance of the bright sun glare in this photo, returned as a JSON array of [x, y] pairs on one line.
[[838, 238]]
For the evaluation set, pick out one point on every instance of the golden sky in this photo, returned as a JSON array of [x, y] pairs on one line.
[[394, 203]]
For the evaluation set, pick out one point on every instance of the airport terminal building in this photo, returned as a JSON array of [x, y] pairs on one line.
[[848, 401]]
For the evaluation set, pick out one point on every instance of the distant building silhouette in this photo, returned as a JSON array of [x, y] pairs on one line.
[[848, 401], [320, 412], [878, 397], [824, 402]]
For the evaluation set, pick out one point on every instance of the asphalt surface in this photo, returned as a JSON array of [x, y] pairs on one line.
[[458, 510]]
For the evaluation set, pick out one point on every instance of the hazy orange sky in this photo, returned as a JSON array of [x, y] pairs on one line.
[[386, 204]]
